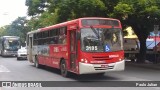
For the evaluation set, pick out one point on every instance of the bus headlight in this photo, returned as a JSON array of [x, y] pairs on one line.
[[120, 59], [84, 60], [5, 51]]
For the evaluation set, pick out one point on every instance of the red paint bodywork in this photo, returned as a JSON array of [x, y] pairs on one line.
[[56, 52]]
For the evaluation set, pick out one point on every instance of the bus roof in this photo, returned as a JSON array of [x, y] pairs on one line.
[[33, 31], [74, 21], [68, 22], [9, 37]]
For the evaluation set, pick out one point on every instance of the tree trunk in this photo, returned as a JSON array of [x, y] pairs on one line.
[[142, 36], [142, 29], [142, 53]]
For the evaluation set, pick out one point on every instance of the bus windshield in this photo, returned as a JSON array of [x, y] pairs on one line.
[[11, 44], [101, 39]]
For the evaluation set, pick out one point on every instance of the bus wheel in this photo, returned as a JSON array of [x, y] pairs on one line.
[[63, 68], [2, 54], [17, 58], [36, 63]]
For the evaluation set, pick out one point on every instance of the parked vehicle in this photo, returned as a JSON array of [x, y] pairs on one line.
[[152, 45], [131, 44]]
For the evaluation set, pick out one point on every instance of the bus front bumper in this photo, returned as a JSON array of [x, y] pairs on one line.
[[10, 53], [85, 68]]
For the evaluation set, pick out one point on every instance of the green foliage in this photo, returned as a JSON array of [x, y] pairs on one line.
[[141, 15], [142, 11], [71, 9], [35, 6], [62, 10], [17, 28], [91, 8], [33, 23], [123, 9], [65, 10], [3, 30], [46, 19]]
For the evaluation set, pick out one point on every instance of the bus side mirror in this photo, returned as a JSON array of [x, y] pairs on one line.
[[78, 35]]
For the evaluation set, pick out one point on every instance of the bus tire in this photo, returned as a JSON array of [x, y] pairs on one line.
[[63, 69], [2, 54], [17, 58], [36, 63]]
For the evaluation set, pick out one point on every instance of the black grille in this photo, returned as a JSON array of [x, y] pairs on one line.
[[103, 68]]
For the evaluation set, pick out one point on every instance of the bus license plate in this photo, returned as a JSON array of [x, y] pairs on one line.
[[104, 66]]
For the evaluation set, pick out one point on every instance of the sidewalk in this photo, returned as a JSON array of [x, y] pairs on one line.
[[147, 65]]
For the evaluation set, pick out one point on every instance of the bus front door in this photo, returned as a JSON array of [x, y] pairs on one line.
[[73, 53], [30, 49]]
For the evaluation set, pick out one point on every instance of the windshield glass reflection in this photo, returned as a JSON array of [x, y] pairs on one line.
[[101, 39], [12, 44]]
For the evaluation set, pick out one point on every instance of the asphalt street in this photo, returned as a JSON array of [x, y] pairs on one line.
[[13, 70]]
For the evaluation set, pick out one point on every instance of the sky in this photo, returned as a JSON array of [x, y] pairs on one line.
[[11, 10]]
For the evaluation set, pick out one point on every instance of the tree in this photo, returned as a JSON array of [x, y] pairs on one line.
[[36, 6], [72, 9], [49, 12], [141, 15], [18, 28], [3, 30]]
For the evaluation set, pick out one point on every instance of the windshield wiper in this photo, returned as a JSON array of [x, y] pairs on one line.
[[95, 31], [97, 34]]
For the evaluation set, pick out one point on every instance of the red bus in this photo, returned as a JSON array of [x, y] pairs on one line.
[[82, 46]]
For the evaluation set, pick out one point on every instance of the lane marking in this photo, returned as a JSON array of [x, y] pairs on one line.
[[3, 69]]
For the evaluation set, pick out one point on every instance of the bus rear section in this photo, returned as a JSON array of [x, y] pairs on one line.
[[92, 45], [9, 45]]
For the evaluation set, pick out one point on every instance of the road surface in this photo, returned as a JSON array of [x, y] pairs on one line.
[[13, 70]]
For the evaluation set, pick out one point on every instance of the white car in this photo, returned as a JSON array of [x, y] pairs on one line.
[[22, 53]]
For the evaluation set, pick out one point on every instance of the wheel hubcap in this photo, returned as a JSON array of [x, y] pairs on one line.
[[63, 68]]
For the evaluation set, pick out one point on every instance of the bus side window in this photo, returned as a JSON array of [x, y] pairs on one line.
[[56, 40], [52, 42], [62, 35]]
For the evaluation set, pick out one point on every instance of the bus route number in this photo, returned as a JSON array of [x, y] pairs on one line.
[[91, 48]]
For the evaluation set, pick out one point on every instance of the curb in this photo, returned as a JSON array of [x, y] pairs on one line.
[[144, 65]]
